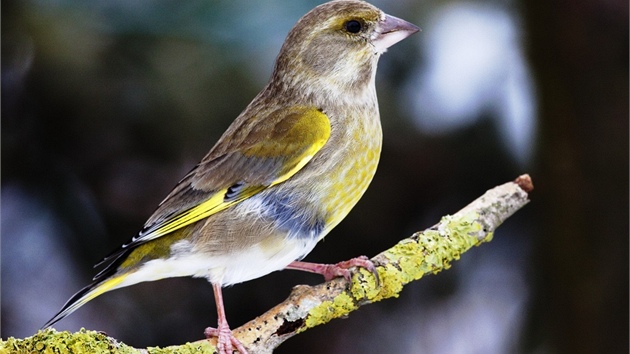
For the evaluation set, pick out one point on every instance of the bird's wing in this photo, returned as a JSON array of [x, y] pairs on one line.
[[251, 156]]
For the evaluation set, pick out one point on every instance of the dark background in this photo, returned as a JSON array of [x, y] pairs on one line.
[[105, 105]]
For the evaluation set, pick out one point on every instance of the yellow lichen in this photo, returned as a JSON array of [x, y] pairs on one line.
[[53, 342], [340, 306], [88, 342], [426, 252], [202, 346]]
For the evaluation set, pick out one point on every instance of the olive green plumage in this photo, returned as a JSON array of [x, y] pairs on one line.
[[288, 170]]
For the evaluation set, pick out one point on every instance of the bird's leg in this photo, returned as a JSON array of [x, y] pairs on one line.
[[330, 271], [225, 339]]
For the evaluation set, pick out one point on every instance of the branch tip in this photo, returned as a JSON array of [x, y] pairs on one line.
[[525, 182]]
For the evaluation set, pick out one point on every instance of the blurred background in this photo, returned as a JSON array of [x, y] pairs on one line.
[[107, 104]]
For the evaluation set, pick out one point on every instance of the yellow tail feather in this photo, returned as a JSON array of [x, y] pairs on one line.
[[84, 295]]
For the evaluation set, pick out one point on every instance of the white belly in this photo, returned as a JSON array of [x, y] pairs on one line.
[[238, 267]]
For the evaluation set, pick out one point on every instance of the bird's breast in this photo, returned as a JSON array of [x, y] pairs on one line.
[[351, 176], [337, 177]]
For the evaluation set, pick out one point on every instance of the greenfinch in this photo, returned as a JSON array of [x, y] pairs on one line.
[[286, 172]]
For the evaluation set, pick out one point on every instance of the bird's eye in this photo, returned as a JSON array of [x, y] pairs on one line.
[[353, 26]]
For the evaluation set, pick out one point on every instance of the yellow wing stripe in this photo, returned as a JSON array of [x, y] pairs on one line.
[[201, 211], [216, 203]]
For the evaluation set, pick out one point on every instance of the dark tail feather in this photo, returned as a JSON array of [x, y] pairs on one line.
[[83, 296]]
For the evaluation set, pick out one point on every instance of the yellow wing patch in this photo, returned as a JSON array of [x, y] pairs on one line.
[[312, 131]]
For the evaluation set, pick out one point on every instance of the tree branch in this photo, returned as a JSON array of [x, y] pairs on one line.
[[425, 252]]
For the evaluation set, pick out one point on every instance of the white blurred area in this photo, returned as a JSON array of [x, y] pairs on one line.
[[475, 67]]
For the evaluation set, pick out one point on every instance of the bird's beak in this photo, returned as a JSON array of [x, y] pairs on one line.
[[390, 31]]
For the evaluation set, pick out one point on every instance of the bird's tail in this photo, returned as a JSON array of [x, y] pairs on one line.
[[84, 295]]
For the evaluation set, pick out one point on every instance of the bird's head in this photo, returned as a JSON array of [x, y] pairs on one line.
[[336, 46]]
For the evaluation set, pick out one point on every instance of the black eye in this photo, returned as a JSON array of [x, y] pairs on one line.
[[353, 26]]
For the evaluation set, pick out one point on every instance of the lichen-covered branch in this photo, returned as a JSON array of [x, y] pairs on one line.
[[425, 252]]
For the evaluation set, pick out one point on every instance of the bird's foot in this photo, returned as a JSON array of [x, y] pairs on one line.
[[226, 342], [341, 269]]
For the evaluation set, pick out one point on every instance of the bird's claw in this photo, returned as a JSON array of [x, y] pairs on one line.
[[362, 261], [341, 269], [226, 342]]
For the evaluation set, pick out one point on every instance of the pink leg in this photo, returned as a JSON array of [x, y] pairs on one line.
[[225, 340], [330, 271]]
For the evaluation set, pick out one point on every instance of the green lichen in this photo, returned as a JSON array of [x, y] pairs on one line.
[[88, 342], [426, 252], [340, 306], [52, 342], [189, 348]]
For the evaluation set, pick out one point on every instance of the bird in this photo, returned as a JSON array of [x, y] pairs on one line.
[[287, 170]]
